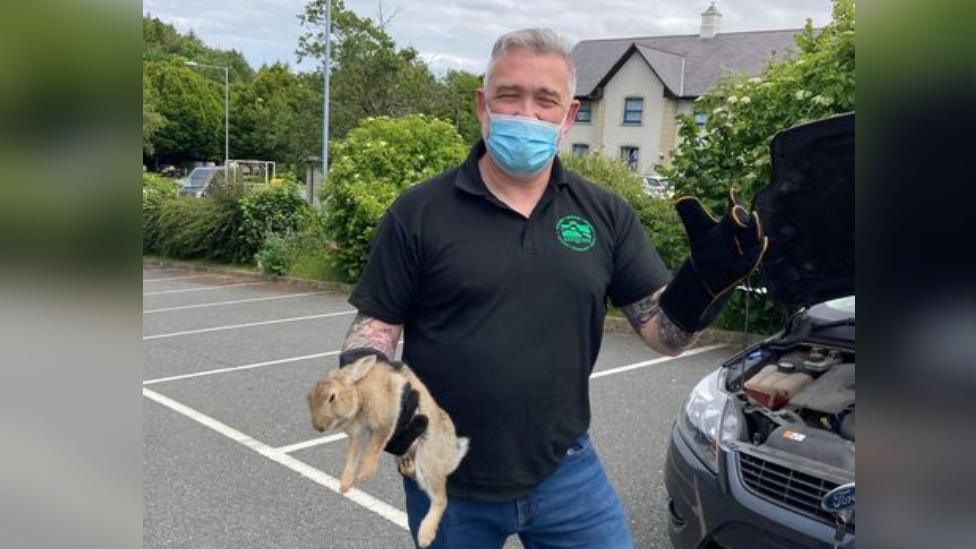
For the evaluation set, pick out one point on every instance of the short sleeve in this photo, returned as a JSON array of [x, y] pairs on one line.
[[388, 285], [637, 268]]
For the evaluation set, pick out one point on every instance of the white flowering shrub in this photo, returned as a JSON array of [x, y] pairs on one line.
[[377, 161]]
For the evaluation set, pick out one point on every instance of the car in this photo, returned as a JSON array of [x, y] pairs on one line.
[[657, 186], [198, 182], [762, 454]]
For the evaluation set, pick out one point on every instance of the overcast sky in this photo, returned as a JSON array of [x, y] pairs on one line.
[[460, 33]]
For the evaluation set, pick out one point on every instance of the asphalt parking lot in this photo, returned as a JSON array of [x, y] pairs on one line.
[[230, 459]]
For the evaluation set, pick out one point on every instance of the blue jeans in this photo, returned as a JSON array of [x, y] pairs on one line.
[[575, 507]]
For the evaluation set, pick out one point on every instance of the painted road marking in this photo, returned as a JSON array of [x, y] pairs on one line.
[[247, 325], [359, 497], [202, 288], [234, 302], [236, 368]]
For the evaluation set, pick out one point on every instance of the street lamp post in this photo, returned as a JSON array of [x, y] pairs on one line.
[[226, 110], [325, 94]]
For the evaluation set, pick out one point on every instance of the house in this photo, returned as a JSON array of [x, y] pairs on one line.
[[632, 89]]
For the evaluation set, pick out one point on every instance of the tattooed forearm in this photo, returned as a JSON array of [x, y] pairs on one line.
[[366, 331], [654, 326]]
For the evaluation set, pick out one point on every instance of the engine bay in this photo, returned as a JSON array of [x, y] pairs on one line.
[[797, 399]]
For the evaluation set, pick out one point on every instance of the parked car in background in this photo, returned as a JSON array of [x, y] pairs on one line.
[[657, 186], [200, 179], [762, 453]]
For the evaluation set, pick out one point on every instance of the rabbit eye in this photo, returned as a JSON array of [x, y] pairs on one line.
[[332, 397]]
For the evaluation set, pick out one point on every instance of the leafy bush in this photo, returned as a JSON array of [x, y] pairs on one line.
[[303, 253], [267, 211], [155, 190], [657, 216], [376, 162], [189, 227]]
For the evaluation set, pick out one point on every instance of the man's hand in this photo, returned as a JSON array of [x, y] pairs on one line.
[[723, 253]]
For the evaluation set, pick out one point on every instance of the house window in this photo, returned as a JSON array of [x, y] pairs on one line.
[[585, 112], [700, 119], [580, 149], [633, 110], [630, 155]]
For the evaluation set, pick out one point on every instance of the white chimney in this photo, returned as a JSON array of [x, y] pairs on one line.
[[709, 23]]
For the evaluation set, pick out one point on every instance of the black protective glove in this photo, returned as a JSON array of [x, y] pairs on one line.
[[723, 253], [410, 424]]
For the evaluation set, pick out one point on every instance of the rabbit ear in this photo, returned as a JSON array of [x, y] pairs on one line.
[[360, 368]]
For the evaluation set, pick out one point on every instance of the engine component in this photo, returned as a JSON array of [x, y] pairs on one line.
[[775, 385], [816, 444], [820, 361], [831, 393]]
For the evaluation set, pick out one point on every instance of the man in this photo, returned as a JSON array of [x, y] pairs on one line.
[[498, 273]]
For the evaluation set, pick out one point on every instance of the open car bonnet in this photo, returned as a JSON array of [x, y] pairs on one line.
[[807, 211]]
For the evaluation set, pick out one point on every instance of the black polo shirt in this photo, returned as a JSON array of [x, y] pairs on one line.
[[503, 315]]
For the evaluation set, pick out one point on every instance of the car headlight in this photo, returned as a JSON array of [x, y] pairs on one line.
[[708, 419]]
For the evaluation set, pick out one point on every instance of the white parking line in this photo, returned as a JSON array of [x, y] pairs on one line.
[[234, 302], [144, 280], [202, 288], [699, 350], [246, 325], [309, 443], [646, 363], [236, 368], [359, 497]]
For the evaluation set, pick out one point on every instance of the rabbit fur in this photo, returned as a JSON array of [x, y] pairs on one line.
[[363, 401]]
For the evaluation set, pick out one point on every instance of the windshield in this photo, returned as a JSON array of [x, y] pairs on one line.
[[199, 177]]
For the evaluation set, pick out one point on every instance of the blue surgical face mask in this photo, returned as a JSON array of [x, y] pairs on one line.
[[520, 145]]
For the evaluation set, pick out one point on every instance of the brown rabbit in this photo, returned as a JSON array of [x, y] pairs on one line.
[[363, 401]]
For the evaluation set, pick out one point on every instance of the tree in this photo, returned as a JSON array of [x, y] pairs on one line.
[[278, 116], [370, 76], [152, 120], [162, 42], [193, 110], [459, 105]]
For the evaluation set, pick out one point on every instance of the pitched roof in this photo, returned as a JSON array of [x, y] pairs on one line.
[[705, 60]]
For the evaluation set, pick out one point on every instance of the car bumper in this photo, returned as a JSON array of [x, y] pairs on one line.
[[708, 510]]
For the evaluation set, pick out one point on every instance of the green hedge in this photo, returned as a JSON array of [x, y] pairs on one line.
[[229, 226], [155, 190], [377, 161]]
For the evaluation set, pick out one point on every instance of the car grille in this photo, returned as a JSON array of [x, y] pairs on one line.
[[796, 490]]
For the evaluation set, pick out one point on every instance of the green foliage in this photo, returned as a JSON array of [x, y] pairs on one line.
[[459, 105], [743, 114], [278, 116], [162, 42], [656, 215], [303, 253], [155, 190], [192, 109], [268, 211], [188, 228], [152, 120], [370, 75], [376, 162]]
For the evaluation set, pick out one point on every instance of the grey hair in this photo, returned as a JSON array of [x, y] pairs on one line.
[[539, 41]]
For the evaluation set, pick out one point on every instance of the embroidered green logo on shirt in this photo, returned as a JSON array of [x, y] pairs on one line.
[[575, 233]]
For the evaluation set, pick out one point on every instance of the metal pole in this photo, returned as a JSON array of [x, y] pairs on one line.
[[226, 120], [325, 94]]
